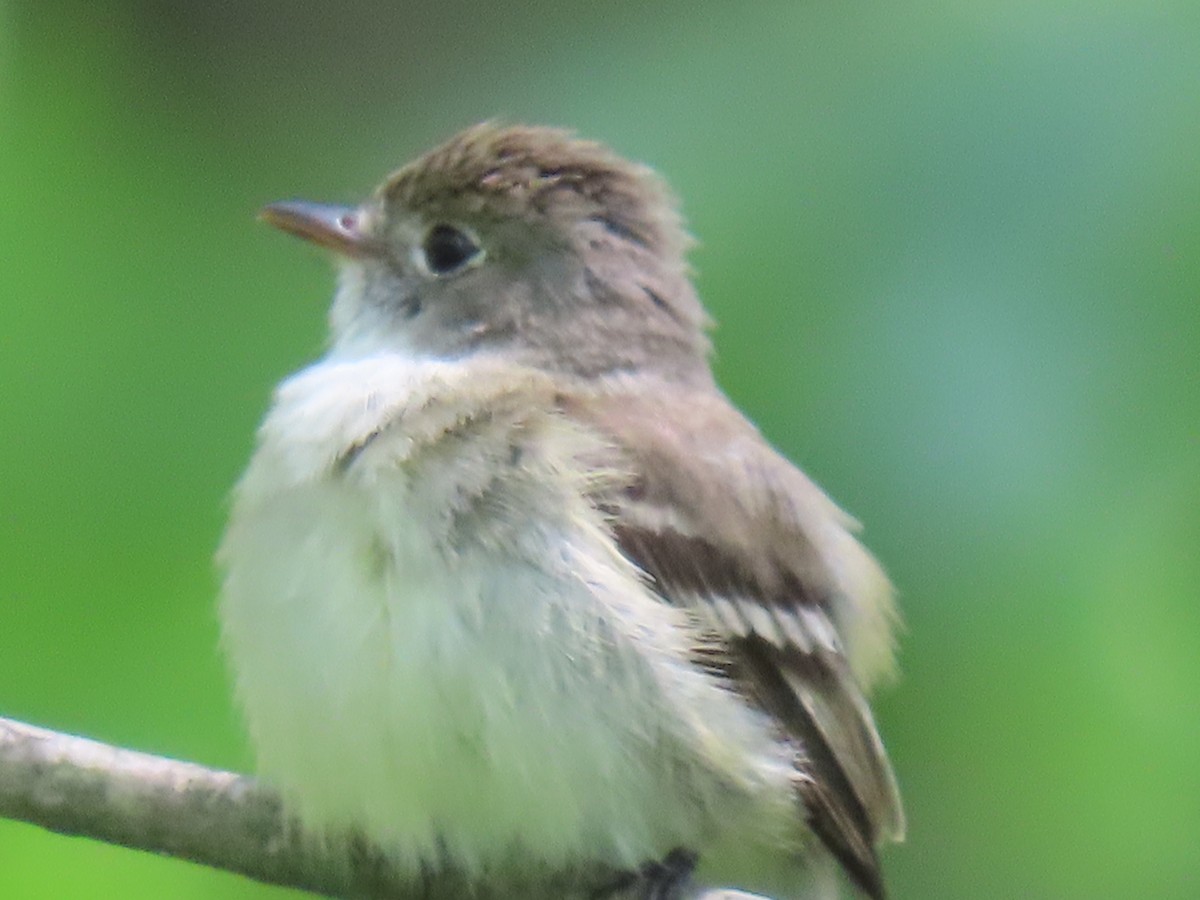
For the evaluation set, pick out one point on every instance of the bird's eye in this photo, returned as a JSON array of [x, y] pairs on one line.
[[448, 250]]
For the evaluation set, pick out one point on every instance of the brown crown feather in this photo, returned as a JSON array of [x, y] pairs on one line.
[[520, 169]]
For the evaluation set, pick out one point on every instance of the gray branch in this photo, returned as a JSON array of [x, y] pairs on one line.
[[75, 786]]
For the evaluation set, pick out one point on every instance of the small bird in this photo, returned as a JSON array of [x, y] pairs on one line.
[[510, 585]]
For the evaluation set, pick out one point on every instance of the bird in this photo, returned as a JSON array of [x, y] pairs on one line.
[[510, 585]]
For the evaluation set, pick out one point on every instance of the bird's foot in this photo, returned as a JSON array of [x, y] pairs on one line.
[[665, 879]]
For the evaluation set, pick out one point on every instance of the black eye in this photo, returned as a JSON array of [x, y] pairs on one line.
[[447, 249]]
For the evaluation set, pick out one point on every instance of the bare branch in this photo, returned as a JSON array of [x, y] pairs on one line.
[[75, 786]]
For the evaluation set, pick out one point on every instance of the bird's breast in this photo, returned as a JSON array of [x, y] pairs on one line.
[[435, 640]]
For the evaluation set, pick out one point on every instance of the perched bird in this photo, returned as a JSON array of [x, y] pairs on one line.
[[509, 583]]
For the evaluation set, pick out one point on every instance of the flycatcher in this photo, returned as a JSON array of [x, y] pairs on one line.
[[510, 584]]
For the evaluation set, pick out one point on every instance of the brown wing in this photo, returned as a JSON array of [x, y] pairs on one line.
[[724, 524]]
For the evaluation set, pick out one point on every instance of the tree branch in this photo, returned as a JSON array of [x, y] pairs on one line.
[[75, 786]]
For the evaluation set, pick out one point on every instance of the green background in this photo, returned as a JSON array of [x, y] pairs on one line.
[[954, 251]]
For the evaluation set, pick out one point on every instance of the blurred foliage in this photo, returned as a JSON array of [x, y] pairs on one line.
[[954, 249]]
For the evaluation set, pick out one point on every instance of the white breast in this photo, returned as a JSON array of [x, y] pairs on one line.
[[435, 640]]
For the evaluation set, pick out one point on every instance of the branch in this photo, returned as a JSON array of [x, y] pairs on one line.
[[75, 786]]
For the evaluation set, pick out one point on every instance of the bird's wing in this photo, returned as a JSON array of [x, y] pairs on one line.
[[725, 525]]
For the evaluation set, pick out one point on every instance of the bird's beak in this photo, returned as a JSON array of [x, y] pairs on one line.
[[337, 227]]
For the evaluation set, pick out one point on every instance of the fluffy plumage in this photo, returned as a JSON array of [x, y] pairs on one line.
[[510, 579]]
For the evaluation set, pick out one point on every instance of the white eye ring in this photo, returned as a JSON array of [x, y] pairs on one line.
[[447, 250]]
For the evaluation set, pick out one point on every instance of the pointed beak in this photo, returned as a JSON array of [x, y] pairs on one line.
[[337, 227]]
